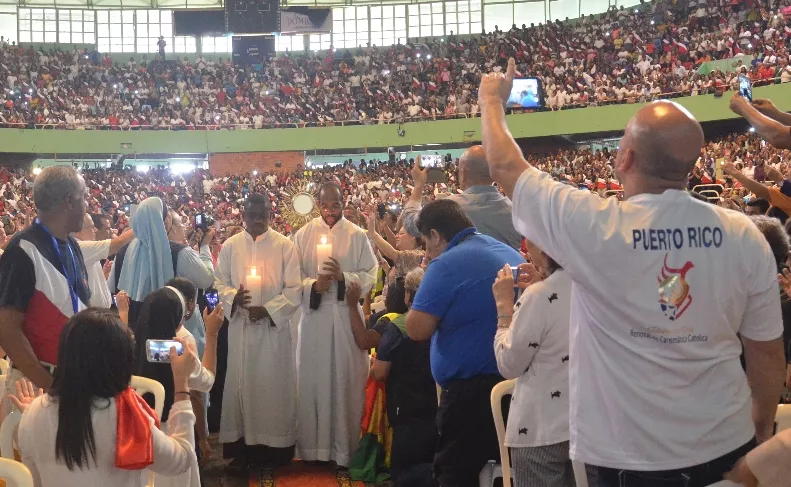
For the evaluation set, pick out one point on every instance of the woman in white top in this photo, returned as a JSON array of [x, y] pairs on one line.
[[162, 318], [532, 346], [72, 436]]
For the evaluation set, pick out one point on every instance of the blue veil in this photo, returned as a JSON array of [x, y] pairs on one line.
[[148, 264]]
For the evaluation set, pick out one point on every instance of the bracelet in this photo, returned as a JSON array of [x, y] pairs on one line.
[[504, 317], [182, 392]]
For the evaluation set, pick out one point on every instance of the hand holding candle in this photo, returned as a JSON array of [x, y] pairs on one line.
[[253, 285], [323, 254]]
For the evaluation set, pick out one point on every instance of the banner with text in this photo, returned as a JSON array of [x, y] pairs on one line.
[[303, 20]]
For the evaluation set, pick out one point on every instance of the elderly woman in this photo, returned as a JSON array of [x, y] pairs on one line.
[[532, 346]]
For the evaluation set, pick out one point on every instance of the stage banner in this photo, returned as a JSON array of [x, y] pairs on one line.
[[303, 20]]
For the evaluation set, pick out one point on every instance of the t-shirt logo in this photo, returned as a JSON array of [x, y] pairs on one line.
[[674, 295]]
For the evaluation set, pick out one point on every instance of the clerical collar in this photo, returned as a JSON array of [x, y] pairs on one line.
[[461, 237]]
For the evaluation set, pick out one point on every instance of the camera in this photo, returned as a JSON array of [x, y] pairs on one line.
[[203, 221]]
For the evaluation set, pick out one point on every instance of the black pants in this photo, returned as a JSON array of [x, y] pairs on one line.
[[695, 476], [258, 455], [467, 438], [412, 453]]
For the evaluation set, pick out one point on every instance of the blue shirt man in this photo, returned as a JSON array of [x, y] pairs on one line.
[[457, 287], [454, 307]]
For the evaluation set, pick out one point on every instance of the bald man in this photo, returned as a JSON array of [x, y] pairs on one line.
[[489, 210], [664, 297]]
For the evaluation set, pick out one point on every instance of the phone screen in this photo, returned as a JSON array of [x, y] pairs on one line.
[[525, 93], [199, 219], [158, 351], [745, 87], [431, 160], [212, 299]]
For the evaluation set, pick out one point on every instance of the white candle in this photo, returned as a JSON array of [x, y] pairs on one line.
[[253, 284], [323, 254]]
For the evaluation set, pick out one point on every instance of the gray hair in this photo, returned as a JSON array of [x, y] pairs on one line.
[[413, 279], [54, 185], [775, 235]]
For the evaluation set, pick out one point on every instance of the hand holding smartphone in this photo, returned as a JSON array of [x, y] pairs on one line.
[[158, 351], [435, 168]]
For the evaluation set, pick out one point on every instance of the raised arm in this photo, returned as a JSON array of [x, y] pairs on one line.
[[506, 163], [774, 132], [755, 187], [383, 245]]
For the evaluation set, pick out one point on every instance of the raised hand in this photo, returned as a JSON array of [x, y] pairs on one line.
[[214, 320], [26, 393], [353, 293]]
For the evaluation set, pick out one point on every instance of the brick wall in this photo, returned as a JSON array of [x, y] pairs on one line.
[[222, 164]]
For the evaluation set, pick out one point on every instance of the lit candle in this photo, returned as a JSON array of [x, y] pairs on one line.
[[253, 284], [323, 253]]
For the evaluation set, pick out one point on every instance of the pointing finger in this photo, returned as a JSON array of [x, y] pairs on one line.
[[511, 70]]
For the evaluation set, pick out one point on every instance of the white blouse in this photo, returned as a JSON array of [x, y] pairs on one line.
[[534, 350], [174, 453]]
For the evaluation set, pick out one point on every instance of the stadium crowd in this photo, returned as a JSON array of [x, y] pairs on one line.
[[366, 185], [624, 56]]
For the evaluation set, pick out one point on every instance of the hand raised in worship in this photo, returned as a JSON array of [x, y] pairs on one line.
[[353, 292], [729, 169], [496, 87], [26, 393], [122, 302], [784, 278], [373, 222], [741, 474], [107, 268], [765, 106], [213, 321], [333, 269], [503, 289], [242, 298], [257, 313]]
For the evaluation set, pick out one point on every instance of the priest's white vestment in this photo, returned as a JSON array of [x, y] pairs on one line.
[[331, 369], [259, 399]]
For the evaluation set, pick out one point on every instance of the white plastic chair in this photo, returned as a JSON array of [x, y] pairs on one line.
[[492, 470], [7, 433], [783, 417], [3, 366], [144, 385], [15, 473]]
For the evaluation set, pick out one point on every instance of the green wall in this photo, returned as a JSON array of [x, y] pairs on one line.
[[585, 120]]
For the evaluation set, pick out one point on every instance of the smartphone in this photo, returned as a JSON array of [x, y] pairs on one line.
[[127, 209], [381, 209], [159, 350], [436, 168], [212, 299], [745, 87], [526, 93]]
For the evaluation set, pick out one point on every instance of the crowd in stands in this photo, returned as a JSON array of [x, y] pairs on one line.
[[366, 184], [623, 56]]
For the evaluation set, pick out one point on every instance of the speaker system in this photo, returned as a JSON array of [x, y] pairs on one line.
[[252, 16]]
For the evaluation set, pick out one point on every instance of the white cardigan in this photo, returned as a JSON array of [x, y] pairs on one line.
[[174, 453], [534, 350]]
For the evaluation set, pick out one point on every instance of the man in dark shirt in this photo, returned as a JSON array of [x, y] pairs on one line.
[[43, 281]]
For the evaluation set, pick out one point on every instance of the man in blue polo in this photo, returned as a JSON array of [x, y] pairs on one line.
[[455, 308]]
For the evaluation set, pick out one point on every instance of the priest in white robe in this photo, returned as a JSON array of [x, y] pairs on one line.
[[258, 423], [332, 370]]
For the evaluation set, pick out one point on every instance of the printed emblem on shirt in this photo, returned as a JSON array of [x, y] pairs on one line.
[[674, 292], [553, 297], [555, 394]]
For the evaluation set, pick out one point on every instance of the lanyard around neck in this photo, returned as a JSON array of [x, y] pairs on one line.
[[75, 300]]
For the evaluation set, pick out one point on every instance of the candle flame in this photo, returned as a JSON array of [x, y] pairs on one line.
[[252, 271], [323, 239]]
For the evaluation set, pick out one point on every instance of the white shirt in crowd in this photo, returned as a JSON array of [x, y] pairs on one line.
[[173, 454], [662, 286], [92, 253], [535, 352]]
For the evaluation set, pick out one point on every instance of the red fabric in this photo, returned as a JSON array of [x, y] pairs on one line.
[[134, 447], [42, 327]]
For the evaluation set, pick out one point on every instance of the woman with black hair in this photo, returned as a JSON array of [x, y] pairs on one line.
[[91, 428], [162, 318]]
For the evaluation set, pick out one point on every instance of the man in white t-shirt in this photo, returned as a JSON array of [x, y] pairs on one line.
[[662, 286], [93, 252]]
